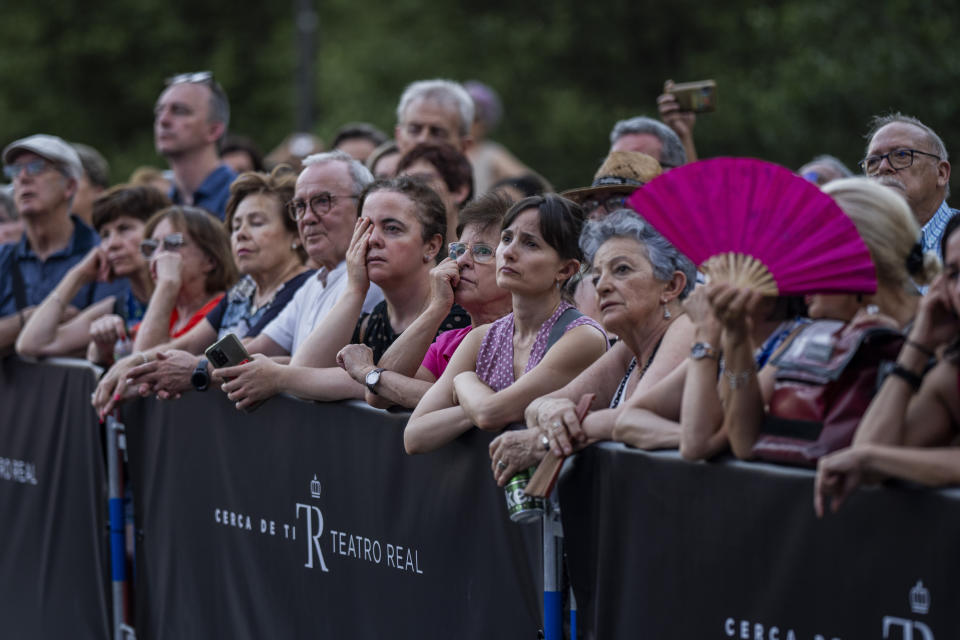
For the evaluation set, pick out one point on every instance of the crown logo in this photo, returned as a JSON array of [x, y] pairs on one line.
[[919, 598], [315, 487]]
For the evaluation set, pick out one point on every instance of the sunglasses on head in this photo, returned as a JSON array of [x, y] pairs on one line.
[[197, 77], [172, 242]]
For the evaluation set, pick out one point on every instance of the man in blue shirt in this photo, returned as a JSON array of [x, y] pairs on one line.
[[44, 170], [909, 156], [190, 120]]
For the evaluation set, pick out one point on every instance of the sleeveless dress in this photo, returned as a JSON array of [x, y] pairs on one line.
[[495, 356]]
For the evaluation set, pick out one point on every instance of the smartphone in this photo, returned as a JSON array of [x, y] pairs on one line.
[[699, 97], [227, 352]]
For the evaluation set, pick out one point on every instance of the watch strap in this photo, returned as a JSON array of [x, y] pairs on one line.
[[200, 378], [372, 385]]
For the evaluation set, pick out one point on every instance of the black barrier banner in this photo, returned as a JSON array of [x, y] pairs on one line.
[[660, 548], [308, 520], [53, 542]]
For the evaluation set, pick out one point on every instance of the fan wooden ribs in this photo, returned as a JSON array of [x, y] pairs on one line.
[[740, 270]]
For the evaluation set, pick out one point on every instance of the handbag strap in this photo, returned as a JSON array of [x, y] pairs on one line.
[[558, 329]]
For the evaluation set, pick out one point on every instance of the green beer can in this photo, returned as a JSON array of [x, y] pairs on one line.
[[521, 507]]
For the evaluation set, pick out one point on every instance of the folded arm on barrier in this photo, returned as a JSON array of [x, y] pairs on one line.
[[257, 380]]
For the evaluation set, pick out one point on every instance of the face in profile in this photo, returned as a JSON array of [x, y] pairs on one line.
[[182, 119]]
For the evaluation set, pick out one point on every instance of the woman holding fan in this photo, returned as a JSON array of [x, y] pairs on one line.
[[912, 422], [890, 233]]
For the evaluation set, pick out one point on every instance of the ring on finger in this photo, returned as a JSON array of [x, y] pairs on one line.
[[501, 465], [545, 441], [556, 425]]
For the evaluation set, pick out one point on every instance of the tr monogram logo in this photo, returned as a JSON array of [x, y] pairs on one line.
[[919, 603]]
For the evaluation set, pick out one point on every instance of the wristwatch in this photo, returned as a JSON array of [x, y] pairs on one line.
[[200, 378], [701, 350], [372, 379]]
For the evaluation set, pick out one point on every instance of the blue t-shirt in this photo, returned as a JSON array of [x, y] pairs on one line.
[[40, 277], [213, 192]]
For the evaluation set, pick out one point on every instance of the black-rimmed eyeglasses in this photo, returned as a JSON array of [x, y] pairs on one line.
[[898, 159], [320, 204]]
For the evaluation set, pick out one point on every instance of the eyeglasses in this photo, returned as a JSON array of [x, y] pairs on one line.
[[33, 168], [172, 242], [320, 204], [898, 159], [481, 253], [609, 204], [197, 77]]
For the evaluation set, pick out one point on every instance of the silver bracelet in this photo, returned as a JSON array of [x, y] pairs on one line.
[[739, 379]]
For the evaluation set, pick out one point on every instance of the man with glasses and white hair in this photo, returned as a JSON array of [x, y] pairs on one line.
[[190, 119], [909, 156], [44, 170], [325, 208], [434, 111]]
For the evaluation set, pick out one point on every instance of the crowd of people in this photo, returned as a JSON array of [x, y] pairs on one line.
[[435, 272]]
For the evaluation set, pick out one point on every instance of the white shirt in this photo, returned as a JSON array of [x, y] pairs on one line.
[[311, 304]]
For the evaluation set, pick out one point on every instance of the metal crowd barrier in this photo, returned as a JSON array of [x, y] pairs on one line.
[[305, 520]]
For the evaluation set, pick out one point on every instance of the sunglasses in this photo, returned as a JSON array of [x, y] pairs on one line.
[[197, 77], [172, 242], [33, 168], [480, 252]]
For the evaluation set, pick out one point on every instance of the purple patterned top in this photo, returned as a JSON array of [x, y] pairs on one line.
[[495, 357]]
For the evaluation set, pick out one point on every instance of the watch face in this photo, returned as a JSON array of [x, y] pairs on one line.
[[373, 377], [701, 350]]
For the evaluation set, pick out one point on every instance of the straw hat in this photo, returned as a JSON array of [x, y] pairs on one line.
[[620, 171]]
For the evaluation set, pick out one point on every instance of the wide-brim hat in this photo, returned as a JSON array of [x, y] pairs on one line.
[[620, 171], [50, 148]]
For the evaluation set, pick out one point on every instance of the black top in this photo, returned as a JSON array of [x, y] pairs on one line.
[[378, 334]]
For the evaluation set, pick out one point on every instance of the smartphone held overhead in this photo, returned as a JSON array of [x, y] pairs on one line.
[[698, 97]]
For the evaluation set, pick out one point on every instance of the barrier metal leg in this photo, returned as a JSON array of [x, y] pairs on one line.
[[552, 572], [118, 553], [573, 615]]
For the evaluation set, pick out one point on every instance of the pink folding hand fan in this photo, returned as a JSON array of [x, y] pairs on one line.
[[757, 225]]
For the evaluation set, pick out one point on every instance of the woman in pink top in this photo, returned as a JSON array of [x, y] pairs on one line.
[[499, 368], [468, 278]]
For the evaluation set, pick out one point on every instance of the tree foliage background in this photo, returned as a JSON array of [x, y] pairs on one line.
[[796, 77]]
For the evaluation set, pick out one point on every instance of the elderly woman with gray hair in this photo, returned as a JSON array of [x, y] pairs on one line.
[[640, 280]]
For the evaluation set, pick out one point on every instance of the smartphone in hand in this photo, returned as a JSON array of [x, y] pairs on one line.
[[698, 97], [227, 352]]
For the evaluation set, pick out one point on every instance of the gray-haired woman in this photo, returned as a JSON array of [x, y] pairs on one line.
[[640, 280]]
